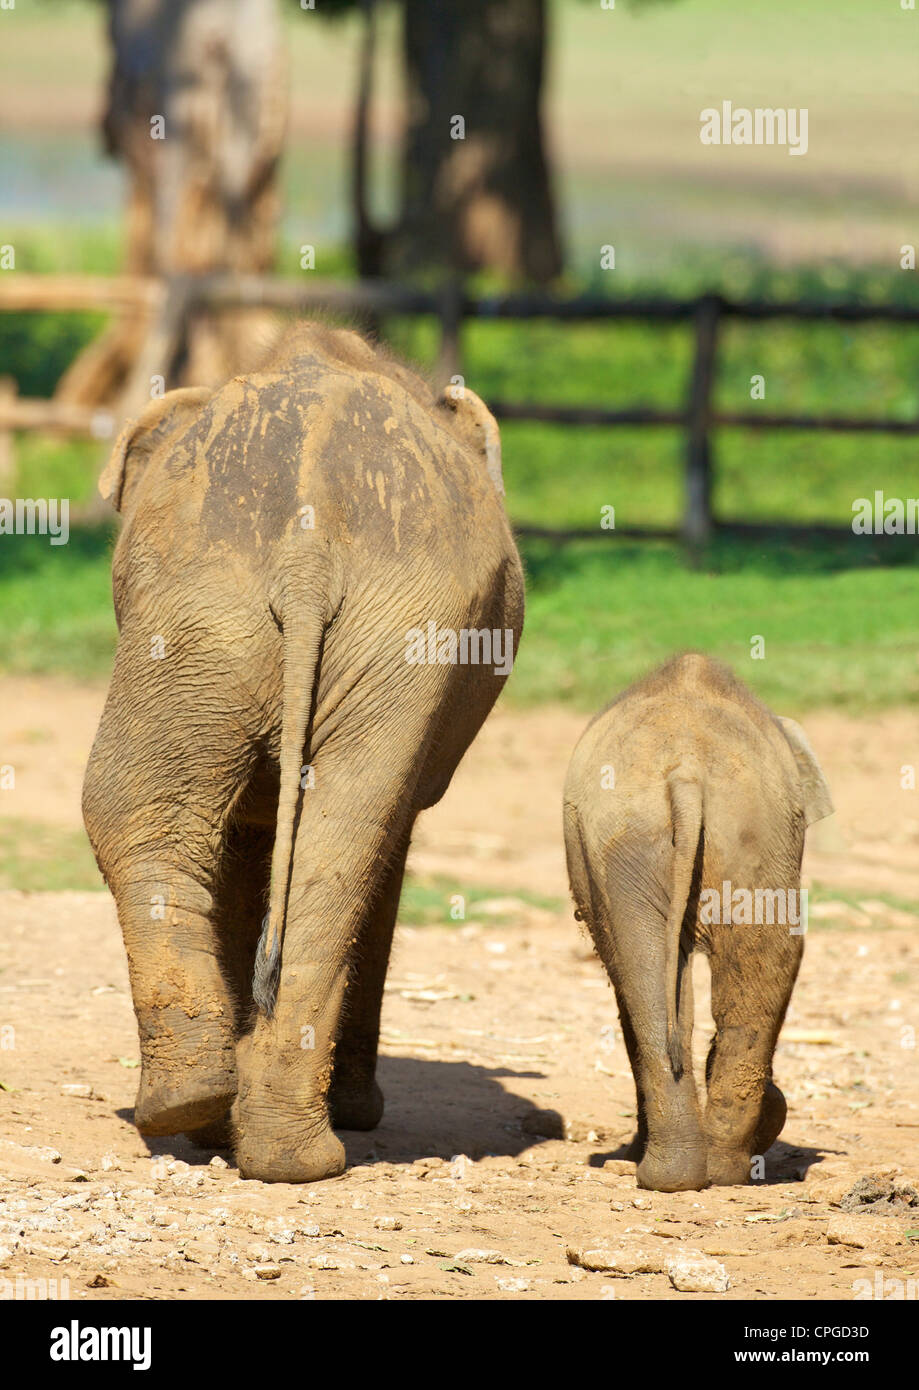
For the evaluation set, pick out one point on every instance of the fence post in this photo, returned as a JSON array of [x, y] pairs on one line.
[[697, 519], [450, 358]]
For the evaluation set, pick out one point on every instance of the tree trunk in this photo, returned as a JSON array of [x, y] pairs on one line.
[[197, 111], [477, 197]]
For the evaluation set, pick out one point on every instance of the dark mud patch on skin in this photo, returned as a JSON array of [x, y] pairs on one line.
[[881, 1197], [253, 465]]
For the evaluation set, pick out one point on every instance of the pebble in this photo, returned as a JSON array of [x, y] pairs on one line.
[[331, 1262], [619, 1259], [691, 1273], [863, 1232]]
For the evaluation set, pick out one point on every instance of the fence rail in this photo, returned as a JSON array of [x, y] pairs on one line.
[[171, 304]]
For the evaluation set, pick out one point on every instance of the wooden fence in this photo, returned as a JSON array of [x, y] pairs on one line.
[[171, 304]]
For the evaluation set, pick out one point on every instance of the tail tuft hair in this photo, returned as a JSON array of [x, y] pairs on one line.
[[675, 1053], [303, 631], [267, 973]]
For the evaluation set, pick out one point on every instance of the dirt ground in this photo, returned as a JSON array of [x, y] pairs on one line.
[[507, 1085]]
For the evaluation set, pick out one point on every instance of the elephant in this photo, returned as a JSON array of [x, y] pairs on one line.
[[318, 600], [685, 807]]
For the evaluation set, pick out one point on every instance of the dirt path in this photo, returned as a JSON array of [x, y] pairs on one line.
[[495, 1038], [507, 1085]]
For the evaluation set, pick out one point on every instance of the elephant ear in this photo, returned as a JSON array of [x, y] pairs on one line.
[[817, 801], [140, 437], [476, 425]]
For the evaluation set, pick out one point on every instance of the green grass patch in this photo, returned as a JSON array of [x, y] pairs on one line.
[[432, 902], [838, 629], [56, 604], [832, 893], [40, 858]]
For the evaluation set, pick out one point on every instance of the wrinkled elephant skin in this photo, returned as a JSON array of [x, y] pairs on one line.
[[686, 803], [302, 553]]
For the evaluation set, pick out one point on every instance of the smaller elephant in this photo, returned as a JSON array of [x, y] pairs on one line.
[[686, 803]]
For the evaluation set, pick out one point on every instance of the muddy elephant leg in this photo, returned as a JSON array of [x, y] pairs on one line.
[[343, 845], [772, 1116], [355, 1099], [773, 1111], [673, 1157], [241, 903], [160, 855], [184, 1011], [746, 1110], [636, 1150]]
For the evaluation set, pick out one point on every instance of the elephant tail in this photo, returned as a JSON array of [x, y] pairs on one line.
[[685, 791], [303, 635]]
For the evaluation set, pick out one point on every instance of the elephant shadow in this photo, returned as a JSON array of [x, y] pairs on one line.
[[784, 1162], [438, 1109], [434, 1109]]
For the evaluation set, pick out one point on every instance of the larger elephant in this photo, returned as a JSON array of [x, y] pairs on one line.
[[318, 599], [685, 807]]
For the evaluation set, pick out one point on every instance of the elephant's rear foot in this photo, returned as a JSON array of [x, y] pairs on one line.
[[272, 1152], [172, 1105], [673, 1170], [188, 1071], [355, 1107], [772, 1118], [728, 1168], [733, 1166]]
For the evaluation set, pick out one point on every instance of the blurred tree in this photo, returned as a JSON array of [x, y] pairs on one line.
[[475, 180], [197, 105], [477, 196]]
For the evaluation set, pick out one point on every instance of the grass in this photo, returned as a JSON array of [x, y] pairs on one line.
[[435, 901], [36, 857], [601, 614], [56, 604], [826, 893]]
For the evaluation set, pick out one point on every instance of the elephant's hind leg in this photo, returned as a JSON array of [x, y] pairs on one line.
[[241, 901], [184, 1013], [746, 1110], [355, 1099], [340, 862], [670, 1146], [636, 1149], [157, 841]]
